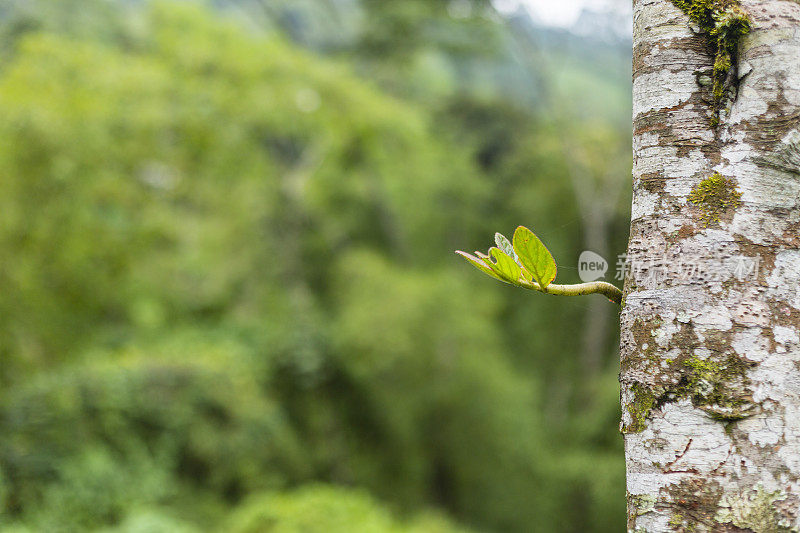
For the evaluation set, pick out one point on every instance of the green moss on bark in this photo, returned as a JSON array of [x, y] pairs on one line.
[[715, 195], [694, 504], [719, 388], [724, 22], [639, 409]]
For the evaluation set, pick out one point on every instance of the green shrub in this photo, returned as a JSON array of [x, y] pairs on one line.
[[327, 509]]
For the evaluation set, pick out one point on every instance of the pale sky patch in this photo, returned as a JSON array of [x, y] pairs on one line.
[[562, 13]]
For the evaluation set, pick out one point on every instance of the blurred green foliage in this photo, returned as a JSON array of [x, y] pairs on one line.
[[328, 509], [228, 300]]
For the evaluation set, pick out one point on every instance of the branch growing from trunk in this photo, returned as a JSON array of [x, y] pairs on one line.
[[527, 263], [579, 289]]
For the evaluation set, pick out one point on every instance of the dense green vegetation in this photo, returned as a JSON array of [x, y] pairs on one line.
[[228, 299]]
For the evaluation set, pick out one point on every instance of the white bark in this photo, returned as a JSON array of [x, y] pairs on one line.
[[711, 365]]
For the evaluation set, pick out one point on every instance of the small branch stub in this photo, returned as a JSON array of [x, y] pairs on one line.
[[527, 263]]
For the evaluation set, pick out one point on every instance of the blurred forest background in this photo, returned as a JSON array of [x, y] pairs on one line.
[[228, 294]]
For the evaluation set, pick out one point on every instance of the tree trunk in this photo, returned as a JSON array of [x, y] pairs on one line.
[[710, 352]]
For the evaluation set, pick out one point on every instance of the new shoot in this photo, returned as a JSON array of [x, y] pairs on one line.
[[527, 263]]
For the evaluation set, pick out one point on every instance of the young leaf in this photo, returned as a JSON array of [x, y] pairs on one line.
[[481, 265], [504, 265], [504, 245], [534, 256]]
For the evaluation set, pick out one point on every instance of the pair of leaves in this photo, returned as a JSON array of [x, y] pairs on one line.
[[526, 258]]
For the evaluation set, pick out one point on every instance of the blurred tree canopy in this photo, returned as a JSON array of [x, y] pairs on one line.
[[228, 300]]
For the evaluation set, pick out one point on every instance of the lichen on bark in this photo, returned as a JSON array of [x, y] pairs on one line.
[[754, 510]]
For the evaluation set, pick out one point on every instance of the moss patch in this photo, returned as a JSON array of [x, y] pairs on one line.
[[714, 195], [646, 354], [695, 502], [719, 388], [639, 409], [725, 22], [718, 384]]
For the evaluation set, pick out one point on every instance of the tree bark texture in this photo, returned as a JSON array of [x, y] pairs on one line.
[[710, 325]]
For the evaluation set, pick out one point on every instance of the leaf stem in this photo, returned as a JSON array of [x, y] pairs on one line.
[[600, 287]]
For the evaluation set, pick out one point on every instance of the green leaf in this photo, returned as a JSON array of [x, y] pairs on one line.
[[504, 265], [481, 264], [534, 256], [506, 246]]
